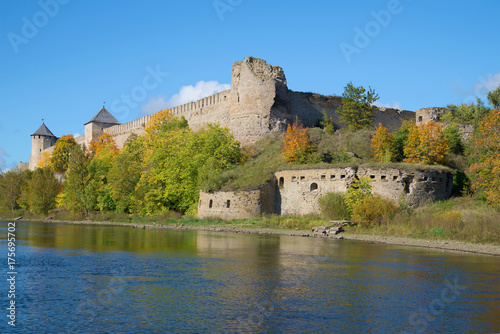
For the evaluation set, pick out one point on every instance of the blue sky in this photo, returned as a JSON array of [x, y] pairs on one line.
[[60, 59]]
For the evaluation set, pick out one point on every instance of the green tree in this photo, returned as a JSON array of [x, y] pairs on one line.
[[357, 192], [11, 185], [454, 139], [327, 123], [356, 110], [494, 97], [125, 173], [400, 139], [79, 189], [466, 113], [42, 188], [176, 161]]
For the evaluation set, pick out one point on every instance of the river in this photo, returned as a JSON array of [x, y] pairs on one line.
[[114, 279]]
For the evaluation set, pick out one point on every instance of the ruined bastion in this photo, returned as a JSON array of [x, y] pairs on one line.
[[296, 192], [258, 104]]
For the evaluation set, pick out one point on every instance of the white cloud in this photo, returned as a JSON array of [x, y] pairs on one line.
[[154, 105], [480, 89], [488, 83], [393, 105], [186, 94], [77, 134]]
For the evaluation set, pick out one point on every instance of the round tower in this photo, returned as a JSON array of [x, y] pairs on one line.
[[41, 140]]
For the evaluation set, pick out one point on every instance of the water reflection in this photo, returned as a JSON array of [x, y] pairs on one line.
[[83, 278]]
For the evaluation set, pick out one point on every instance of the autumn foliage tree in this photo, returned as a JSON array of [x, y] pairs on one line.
[[45, 160], [59, 159], [383, 145], [105, 140], [426, 144], [484, 155], [296, 144]]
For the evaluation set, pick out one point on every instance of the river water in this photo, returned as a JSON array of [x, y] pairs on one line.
[[114, 279]]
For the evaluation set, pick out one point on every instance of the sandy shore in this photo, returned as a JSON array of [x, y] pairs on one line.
[[389, 240]]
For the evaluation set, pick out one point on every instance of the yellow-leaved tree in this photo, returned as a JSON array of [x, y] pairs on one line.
[[427, 145], [484, 154], [383, 145], [59, 160], [45, 160]]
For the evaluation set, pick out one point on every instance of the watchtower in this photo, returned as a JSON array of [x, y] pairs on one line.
[[102, 120], [42, 139]]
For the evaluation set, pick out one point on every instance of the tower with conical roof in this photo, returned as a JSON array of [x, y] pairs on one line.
[[41, 140], [102, 120]]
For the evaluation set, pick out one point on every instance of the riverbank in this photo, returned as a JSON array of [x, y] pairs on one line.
[[448, 245]]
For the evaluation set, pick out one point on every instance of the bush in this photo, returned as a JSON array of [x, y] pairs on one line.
[[357, 192], [333, 207], [373, 210]]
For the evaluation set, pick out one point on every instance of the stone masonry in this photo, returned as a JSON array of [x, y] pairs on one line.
[[296, 192], [258, 104]]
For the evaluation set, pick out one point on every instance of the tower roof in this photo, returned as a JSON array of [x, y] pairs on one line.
[[104, 116], [43, 130]]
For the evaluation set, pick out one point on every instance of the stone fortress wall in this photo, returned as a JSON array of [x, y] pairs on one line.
[[296, 192], [258, 104]]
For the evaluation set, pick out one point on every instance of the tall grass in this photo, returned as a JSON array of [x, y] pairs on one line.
[[461, 218]]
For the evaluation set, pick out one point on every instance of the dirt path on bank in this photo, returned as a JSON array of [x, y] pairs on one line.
[[449, 245]]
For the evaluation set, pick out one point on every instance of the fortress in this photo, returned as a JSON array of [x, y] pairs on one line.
[[259, 103]]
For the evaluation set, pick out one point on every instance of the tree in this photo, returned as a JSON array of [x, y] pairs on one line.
[[11, 185], [42, 189], [494, 98], [105, 140], [79, 190], [383, 145], [356, 110], [400, 137], [164, 120], [357, 192], [427, 144], [484, 155], [454, 139], [45, 160], [297, 147], [125, 173], [175, 161], [466, 113], [60, 155], [327, 123]]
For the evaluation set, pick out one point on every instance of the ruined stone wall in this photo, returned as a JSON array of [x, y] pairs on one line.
[[230, 204], [309, 106], [426, 115], [299, 190], [259, 102]]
